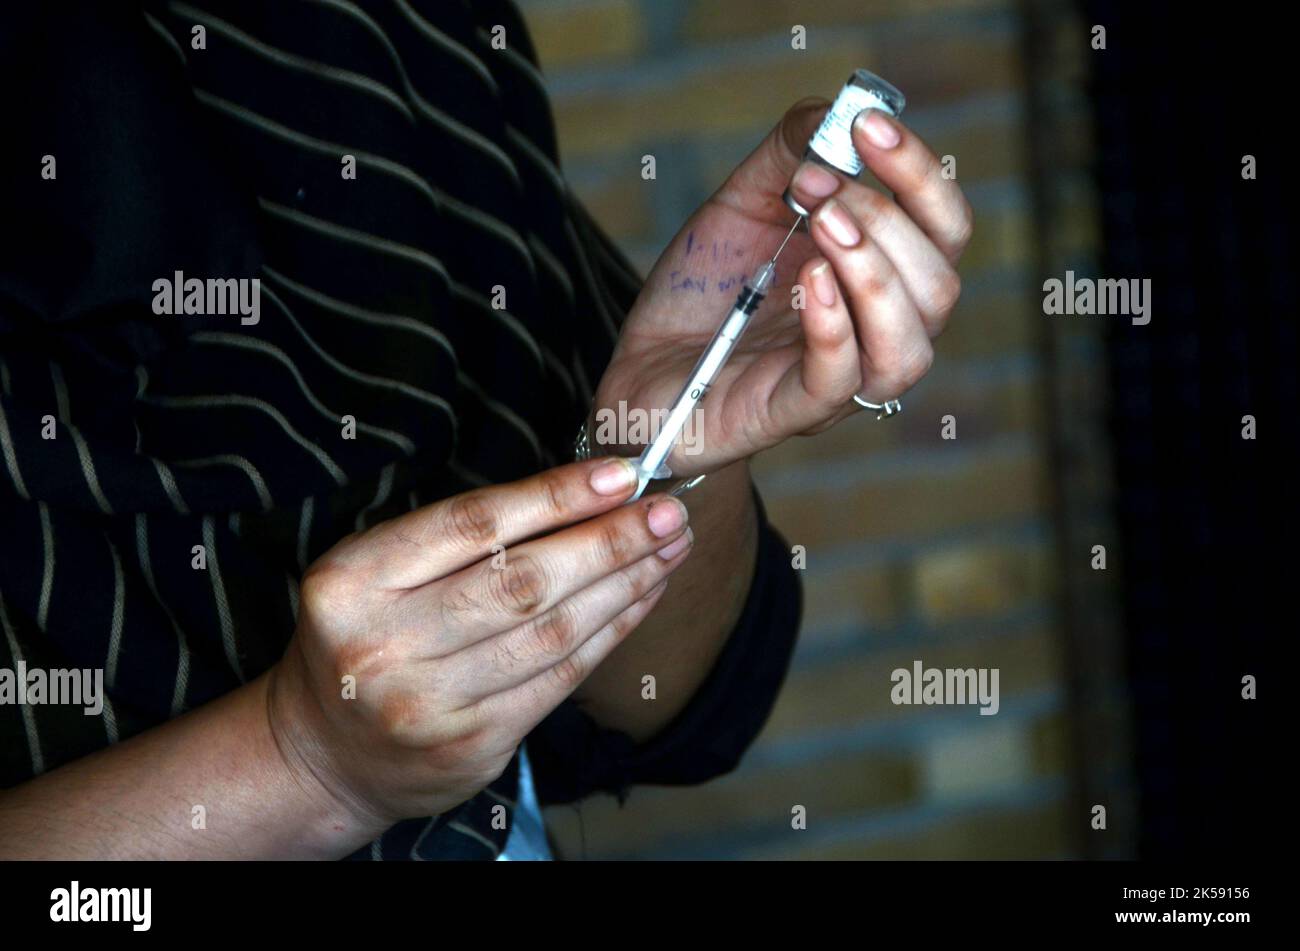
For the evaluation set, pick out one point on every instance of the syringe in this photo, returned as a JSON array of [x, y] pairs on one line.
[[831, 146], [652, 462]]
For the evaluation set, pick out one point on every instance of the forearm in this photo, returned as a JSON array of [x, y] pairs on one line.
[[680, 641], [137, 799]]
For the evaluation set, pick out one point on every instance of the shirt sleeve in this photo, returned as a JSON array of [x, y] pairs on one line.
[[573, 756]]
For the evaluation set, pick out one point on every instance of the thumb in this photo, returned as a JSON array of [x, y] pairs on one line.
[[756, 185]]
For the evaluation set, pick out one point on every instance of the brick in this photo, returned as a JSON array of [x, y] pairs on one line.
[[661, 818], [722, 20], [990, 756], [1050, 748], [855, 691], [585, 31], [855, 596], [628, 118], [622, 205], [942, 68], [1002, 239], [989, 322], [1076, 228], [1037, 832], [931, 71], [980, 580], [976, 491]]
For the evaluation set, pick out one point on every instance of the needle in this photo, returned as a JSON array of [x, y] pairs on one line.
[[790, 234]]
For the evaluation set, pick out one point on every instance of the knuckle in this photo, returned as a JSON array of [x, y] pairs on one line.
[[637, 579], [915, 367], [964, 227], [555, 494], [352, 659], [556, 631], [873, 285], [946, 293], [874, 275], [874, 205], [324, 585], [613, 546], [401, 718], [521, 586], [568, 673], [473, 519]]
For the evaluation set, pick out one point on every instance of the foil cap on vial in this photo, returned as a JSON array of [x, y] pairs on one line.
[[832, 144]]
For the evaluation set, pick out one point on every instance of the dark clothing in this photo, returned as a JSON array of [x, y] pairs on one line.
[[376, 307]]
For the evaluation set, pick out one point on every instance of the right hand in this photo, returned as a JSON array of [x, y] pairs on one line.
[[458, 654]]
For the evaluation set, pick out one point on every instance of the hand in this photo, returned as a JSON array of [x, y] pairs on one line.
[[879, 278], [458, 650]]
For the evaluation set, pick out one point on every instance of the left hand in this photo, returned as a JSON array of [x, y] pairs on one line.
[[879, 278]]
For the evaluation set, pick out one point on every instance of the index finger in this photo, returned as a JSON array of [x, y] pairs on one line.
[[433, 541], [908, 168]]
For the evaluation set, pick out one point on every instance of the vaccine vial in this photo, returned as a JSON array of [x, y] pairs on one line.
[[832, 143]]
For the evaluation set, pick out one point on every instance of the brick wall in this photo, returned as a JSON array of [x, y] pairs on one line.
[[970, 552]]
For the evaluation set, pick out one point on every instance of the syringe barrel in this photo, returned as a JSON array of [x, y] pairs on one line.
[[702, 376]]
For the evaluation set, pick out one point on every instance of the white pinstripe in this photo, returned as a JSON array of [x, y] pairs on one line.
[[29, 718], [181, 685], [304, 530], [11, 457], [289, 60], [451, 46], [398, 386], [236, 401], [119, 610], [429, 111], [382, 492], [221, 338], [47, 570], [88, 470], [231, 459], [219, 597], [441, 200], [169, 485], [393, 321]]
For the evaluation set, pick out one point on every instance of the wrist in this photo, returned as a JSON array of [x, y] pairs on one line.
[[334, 821]]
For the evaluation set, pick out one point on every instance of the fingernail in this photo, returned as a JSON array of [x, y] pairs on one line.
[[666, 516], [671, 551], [878, 128], [613, 477], [815, 181], [839, 223], [823, 284]]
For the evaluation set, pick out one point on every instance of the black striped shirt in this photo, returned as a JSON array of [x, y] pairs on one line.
[[376, 304]]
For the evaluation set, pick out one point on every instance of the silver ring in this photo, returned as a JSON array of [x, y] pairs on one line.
[[887, 408]]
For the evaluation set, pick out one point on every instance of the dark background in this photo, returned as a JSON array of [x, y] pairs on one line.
[[1208, 544]]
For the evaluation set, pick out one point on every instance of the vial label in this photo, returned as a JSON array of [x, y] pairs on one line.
[[833, 139]]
